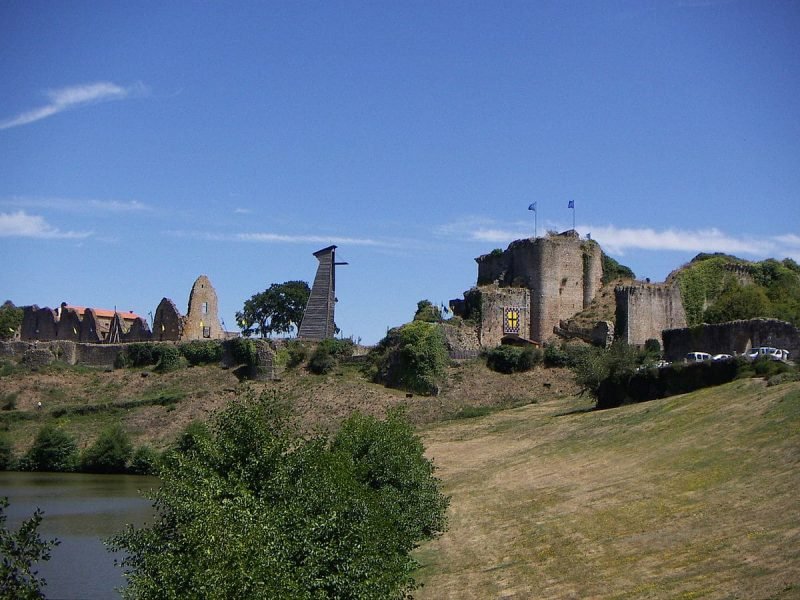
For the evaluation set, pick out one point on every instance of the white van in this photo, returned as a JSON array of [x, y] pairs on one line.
[[694, 357], [768, 352]]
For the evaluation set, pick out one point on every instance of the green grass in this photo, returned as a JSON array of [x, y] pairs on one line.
[[689, 497]]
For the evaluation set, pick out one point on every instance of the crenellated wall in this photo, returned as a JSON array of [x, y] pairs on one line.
[[644, 310], [733, 337]]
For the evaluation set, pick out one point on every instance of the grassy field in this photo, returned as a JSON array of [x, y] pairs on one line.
[[696, 496]]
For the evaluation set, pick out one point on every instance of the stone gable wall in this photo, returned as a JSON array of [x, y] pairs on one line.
[[168, 322], [203, 312]]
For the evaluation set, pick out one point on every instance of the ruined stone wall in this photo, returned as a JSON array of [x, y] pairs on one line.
[[202, 321], [138, 332], [69, 326], [38, 353], [168, 322], [495, 301], [644, 310], [734, 337], [89, 331], [38, 323]]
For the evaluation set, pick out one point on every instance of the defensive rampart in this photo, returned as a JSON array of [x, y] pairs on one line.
[[734, 337], [644, 310]]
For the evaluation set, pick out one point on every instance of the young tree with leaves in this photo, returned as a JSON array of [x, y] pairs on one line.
[[278, 309], [19, 551], [255, 510]]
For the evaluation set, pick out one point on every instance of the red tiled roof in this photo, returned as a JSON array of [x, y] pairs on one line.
[[106, 313]]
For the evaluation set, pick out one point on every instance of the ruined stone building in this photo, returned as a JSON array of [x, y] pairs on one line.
[[200, 323], [82, 324], [530, 287]]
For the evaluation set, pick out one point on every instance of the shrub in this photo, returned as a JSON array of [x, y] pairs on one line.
[[53, 450], [202, 352], [145, 461], [8, 401], [20, 550], [427, 312], [296, 353], [6, 457], [243, 351], [109, 453], [258, 511], [140, 354], [321, 362], [652, 346], [513, 359], [412, 357], [168, 358], [555, 356]]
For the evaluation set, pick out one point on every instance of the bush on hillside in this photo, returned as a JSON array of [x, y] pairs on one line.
[[145, 461], [258, 511], [53, 450], [428, 312], [202, 352], [109, 453], [412, 357], [297, 352], [243, 351], [168, 358], [328, 353], [513, 359], [6, 456]]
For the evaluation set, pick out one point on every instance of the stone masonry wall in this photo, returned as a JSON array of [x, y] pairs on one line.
[[202, 321], [645, 310], [734, 337], [494, 301]]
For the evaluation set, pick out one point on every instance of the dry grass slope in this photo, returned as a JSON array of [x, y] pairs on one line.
[[695, 496]]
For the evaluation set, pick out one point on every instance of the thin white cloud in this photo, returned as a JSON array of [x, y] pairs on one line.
[[21, 224], [243, 211], [277, 238], [71, 97], [619, 240], [78, 206]]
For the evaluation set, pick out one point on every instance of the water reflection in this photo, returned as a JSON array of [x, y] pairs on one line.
[[80, 510]]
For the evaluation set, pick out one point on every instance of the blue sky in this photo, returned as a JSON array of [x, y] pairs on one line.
[[143, 144]]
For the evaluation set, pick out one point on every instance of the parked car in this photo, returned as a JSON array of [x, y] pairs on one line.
[[768, 352], [693, 357], [721, 357]]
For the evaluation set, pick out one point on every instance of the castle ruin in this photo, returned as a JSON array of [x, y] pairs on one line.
[[530, 287]]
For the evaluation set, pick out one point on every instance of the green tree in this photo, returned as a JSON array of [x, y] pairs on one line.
[[6, 456], [110, 452], [53, 450], [10, 320], [428, 312], [278, 309], [19, 551], [412, 357], [738, 302], [255, 510]]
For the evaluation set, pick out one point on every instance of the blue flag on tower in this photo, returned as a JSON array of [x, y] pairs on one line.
[[571, 204], [532, 207]]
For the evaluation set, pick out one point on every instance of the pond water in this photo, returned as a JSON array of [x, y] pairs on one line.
[[81, 511]]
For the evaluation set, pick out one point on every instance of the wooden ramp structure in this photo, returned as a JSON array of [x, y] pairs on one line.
[[318, 321]]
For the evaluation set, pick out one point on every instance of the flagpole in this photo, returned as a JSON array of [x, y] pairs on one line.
[[532, 206]]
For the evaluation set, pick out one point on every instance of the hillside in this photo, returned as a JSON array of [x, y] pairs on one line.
[[154, 407], [688, 497]]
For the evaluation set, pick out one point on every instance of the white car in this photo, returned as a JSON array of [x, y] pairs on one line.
[[718, 357], [768, 352], [693, 357]]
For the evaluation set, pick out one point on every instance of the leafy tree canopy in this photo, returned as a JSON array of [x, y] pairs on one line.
[[20, 550], [278, 309], [10, 320], [428, 312], [255, 510]]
